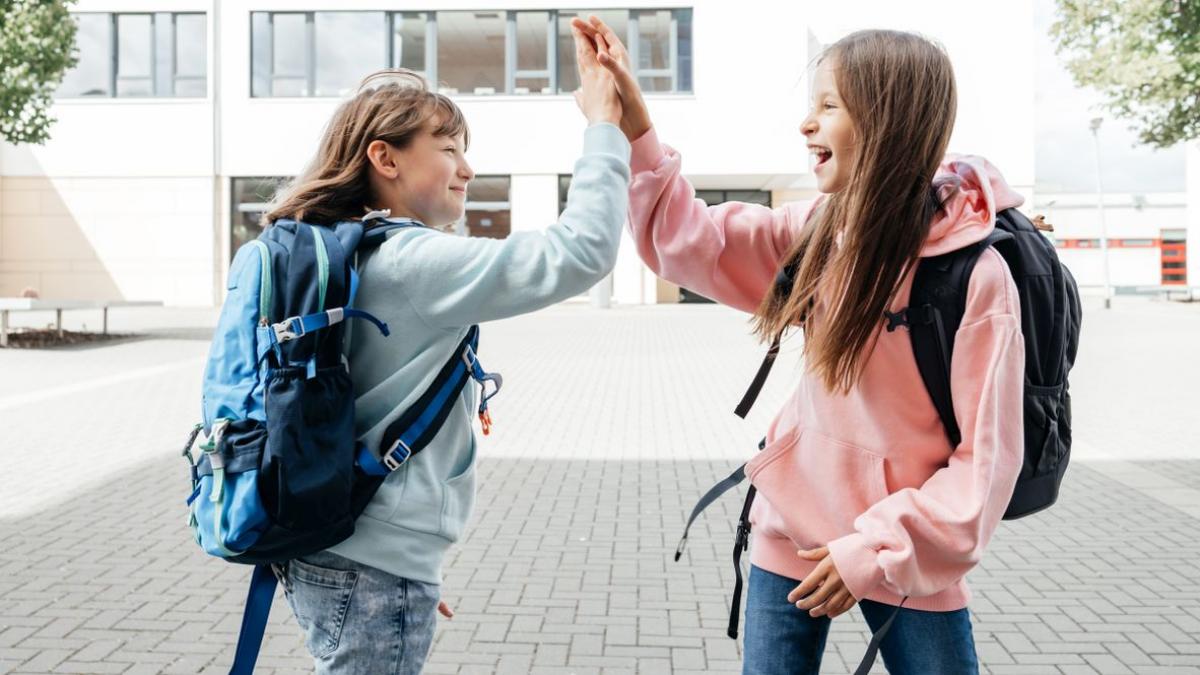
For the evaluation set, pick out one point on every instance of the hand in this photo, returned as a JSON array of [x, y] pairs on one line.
[[610, 52], [597, 94], [445, 610], [822, 592]]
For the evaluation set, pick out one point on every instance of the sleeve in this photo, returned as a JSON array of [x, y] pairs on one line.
[[455, 281], [918, 542], [729, 252]]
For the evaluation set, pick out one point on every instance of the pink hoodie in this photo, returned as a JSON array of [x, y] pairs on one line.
[[871, 473]]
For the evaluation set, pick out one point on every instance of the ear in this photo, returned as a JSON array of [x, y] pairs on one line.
[[383, 159]]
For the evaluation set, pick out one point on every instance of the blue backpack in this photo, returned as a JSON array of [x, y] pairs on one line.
[[280, 473]]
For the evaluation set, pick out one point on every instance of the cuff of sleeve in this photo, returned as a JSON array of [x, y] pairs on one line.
[[857, 564], [647, 152], [607, 139]]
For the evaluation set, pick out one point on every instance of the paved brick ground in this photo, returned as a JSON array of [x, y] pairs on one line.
[[610, 425]]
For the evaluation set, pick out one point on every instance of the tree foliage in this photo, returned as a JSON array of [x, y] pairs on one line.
[[1143, 56], [37, 43]]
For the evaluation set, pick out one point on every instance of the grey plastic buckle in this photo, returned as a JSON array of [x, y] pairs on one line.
[[283, 329], [389, 457]]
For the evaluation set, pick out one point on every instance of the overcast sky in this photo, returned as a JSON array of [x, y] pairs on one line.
[[1066, 156]]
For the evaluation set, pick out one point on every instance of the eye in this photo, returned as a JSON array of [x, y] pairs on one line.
[[829, 106]]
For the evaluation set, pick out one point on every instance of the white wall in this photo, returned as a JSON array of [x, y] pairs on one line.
[[1076, 215], [137, 238], [119, 204], [1127, 266]]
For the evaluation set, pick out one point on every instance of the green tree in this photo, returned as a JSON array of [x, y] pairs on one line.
[[37, 44], [1143, 56]]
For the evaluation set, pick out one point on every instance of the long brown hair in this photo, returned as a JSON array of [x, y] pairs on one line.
[[392, 106], [898, 89]]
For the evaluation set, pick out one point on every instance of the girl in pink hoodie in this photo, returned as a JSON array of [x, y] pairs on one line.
[[862, 499]]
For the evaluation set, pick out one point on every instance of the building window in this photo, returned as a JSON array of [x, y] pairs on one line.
[[471, 52], [568, 76], [135, 54], [338, 70], [1078, 243], [531, 47], [130, 55], [281, 54], [488, 208], [412, 39], [659, 44], [660, 47], [564, 188], [478, 53], [188, 74], [712, 198], [305, 54], [250, 199], [92, 76]]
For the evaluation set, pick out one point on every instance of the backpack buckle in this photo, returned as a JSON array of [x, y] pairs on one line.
[[389, 457], [896, 319], [284, 331]]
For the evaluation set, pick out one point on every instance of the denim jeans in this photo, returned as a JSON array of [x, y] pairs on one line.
[[782, 639], [358, 619]]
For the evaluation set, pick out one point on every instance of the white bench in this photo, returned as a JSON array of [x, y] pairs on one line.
[[37, 304]]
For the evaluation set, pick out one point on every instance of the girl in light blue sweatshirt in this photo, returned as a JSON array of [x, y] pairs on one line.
[[368, 604]]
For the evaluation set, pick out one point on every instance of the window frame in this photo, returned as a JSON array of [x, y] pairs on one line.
[[162, 54], [511, 48], [429, 72]]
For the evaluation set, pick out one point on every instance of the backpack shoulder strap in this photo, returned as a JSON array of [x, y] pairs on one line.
[[377, 230], [935, 310], [416, 427]]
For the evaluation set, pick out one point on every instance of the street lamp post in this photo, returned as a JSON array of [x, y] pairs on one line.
[[1094, 125]]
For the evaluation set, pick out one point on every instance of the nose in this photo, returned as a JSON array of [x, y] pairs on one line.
[[465, 171], [809, 126]]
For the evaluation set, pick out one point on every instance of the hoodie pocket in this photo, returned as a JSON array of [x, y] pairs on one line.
[[458, 498], [816, 485]]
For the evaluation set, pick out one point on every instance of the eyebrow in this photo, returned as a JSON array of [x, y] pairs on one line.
[[825, 93]]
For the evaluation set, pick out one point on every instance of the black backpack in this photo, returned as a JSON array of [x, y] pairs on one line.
[[1050, 322]]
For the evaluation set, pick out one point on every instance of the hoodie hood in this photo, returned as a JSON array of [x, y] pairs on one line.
[[974, 191]]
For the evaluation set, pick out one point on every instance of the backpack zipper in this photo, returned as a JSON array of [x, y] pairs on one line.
[[264, 288], [322, 267]]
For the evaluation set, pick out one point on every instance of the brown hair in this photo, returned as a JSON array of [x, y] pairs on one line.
[[898, 89], [392, 106]]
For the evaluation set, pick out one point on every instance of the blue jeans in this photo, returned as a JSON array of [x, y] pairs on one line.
[[358, 619], [782, 639]]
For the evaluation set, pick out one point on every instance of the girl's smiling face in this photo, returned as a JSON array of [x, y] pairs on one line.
[[829, 131], [434, 178], [426, 180]]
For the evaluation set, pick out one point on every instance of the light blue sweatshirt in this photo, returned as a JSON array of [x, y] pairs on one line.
[[429, 287]]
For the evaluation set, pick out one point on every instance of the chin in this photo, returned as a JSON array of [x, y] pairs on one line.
[[830, 186], [445, 220]]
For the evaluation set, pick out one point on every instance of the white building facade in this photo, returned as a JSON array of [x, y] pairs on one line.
[[183, 115], [1147, 238]]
